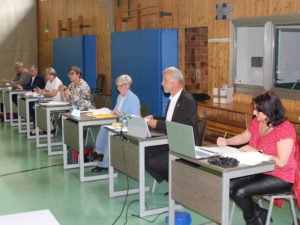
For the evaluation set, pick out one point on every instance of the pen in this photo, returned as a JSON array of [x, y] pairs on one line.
[[225, 134]]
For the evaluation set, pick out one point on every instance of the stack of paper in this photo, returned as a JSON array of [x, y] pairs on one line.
[[246, 158], [249, 158]]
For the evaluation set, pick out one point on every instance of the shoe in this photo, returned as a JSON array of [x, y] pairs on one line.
[[261, 214], [98, 169], [96, 156]]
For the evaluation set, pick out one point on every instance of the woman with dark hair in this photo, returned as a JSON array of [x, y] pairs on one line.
[[271, 134], [78, 92]]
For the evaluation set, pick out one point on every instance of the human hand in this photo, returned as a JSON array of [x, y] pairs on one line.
[[152, 123], [67, 92], [37, 90], [116, 112], [18, 86], [248, 148], [148, 118], [61, 87], [222, 141]]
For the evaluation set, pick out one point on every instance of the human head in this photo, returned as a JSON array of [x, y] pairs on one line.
[[270, 105], [74, 74], [33, 70], [172, 80], [19, 67], [123, 83], [50, 73]]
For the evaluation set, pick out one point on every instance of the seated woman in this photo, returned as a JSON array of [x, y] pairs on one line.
[[271, 134], [52, 85], [78, 92], [127, 104]]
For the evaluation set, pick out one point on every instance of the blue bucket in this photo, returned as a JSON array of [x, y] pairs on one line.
[[181, 218]]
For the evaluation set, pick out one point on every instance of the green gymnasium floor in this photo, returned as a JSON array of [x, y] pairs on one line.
[[30, 180]]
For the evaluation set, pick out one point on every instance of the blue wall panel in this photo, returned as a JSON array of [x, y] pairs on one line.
[[75, 51], [139, 54]]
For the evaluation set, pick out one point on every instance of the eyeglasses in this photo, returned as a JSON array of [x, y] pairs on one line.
[[120, 85], [71, 73]]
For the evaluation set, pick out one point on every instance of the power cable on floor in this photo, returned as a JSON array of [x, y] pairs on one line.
[[28, 170], [127, 179]]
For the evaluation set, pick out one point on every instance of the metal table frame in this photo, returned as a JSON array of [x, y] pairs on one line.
[[27, 115], [142, 144], [10, 93], [48, 110], [226, 176], [82, 121]]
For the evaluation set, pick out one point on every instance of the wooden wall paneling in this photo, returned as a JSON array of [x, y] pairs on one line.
[[170, 6], [188, 13], [103, 46], [193, 13], [181, 49], [249, 8], [218, 64], [283, 7]]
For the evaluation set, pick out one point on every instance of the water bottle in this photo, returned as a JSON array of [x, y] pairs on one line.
[[124, 126], [41, 98], [73, 106]]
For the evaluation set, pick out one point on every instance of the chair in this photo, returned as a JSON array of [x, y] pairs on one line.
[[271, 198], [144, 110], [201, 131], [290, 196]]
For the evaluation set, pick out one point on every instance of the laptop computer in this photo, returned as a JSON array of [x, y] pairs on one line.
[[181, 140], [138, 127]]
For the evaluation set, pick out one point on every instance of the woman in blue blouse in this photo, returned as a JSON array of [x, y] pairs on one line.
[[127, 104]]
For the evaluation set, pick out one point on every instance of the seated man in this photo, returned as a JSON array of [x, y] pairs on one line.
[[22, 76], [37, 81], [181, 108]]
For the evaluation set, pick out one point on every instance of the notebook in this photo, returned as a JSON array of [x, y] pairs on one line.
[[181, 140], [138, 127]]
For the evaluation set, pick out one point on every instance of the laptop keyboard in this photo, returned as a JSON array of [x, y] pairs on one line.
[[202, 154]]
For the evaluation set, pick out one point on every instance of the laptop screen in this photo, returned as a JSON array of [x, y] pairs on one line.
[[137, 126], [181, 139]]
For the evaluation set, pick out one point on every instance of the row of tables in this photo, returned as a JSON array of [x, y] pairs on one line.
[[194, 184]]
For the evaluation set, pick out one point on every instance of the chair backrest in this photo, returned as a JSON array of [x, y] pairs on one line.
[[108, 103], [101, 101], [297, 178], [144, 110], [100, 82], [201, 130]]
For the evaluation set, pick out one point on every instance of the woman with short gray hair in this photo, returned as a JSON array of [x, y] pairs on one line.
[[127, 104], [52, 85]]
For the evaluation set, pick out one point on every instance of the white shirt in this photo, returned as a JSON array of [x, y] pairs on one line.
[[32, 79], [172, 105], [50, 86], [121, 103]]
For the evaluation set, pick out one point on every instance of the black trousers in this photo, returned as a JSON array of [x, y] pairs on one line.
[[242, 189], [157, 162]]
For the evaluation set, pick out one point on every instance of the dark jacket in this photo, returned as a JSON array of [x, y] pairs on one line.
[[157, 157], [37, 82], [185, 112]]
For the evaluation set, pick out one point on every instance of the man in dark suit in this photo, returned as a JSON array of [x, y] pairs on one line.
[[182, 108], [36, 81]]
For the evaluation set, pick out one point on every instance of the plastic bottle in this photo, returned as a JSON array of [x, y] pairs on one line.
[[124, 126]]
